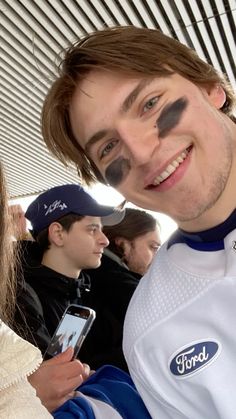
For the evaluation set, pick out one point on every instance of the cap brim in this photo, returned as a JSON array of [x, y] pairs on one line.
[[112, 219]]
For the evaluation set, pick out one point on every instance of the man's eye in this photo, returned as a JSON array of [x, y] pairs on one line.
[[150, 103], [93, 229], [106, 150], [155, 248]]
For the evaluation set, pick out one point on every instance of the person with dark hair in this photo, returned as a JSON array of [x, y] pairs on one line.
[[132, 245], [140, 111], [67, 226], [135, 240]]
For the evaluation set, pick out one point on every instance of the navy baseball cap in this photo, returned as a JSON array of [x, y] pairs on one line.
[[53, 204]]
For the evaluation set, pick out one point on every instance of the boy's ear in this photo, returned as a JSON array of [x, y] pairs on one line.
[[217, 95], [55, 234]]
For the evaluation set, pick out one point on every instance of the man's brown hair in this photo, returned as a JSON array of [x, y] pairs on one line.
[[125, 49], [135, 223]]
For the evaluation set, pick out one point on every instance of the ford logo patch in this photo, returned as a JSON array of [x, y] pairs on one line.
[[191, 359]]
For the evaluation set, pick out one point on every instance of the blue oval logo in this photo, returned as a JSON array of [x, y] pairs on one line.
[[192, 358]]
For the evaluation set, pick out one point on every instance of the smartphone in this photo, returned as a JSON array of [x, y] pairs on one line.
[[71, 331]]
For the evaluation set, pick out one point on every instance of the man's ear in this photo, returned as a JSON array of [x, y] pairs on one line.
[[124, 244], [55, 234], [217, 95]]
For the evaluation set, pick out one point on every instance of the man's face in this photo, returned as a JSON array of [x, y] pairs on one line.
[[139, 252], [161, 142], [83, 244]]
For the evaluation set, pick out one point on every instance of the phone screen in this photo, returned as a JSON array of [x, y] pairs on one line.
[[71, 331]]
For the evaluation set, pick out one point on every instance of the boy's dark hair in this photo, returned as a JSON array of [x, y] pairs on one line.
[[66, 222], [128, 50]]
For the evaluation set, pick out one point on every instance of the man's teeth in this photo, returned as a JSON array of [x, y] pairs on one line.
[[170, 168]]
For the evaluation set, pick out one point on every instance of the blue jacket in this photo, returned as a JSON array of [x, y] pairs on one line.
[[110, 385]]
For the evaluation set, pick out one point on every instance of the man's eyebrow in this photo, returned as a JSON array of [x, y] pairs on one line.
[[126, 105], [97, 225], [131, 98], [94, 139]]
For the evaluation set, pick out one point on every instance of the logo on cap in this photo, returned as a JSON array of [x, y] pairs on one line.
[[190, 359], [55, 205]]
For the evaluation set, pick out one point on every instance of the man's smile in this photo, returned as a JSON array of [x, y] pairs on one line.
[[171, 168]]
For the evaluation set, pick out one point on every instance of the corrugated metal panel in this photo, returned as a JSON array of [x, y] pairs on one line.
[[33, 33]]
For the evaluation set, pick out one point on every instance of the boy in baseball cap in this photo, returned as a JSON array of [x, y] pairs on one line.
[[67, 199], [67, 226]]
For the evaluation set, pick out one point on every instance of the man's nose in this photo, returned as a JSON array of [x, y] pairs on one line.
[[103, 240], [140, 141]]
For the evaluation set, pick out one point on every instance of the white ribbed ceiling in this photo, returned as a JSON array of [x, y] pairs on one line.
[[33, 33]]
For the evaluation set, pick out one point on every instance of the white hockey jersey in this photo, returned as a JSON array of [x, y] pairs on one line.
[[179, 333]]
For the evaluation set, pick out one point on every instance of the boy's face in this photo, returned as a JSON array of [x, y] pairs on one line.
[[161, 142], [83, 244]]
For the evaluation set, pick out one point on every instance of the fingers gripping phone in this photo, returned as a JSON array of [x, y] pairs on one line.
[[71, 331]]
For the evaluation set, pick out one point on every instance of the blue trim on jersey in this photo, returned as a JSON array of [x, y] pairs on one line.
[[209, 240], [110, 385]]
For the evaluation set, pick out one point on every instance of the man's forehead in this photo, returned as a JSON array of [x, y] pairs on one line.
[[96, 80], [92, 80], [98, 96], [92, 220]]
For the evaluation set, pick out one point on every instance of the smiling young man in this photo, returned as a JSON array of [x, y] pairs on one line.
[[143, 113]]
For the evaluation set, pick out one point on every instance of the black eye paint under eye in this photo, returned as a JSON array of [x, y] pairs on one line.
[[170, 116], [117, 171]]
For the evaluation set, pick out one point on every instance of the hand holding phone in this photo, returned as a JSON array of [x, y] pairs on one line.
[[71, 331]]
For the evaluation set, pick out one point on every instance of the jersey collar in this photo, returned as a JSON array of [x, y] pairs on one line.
[[208, 240]]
